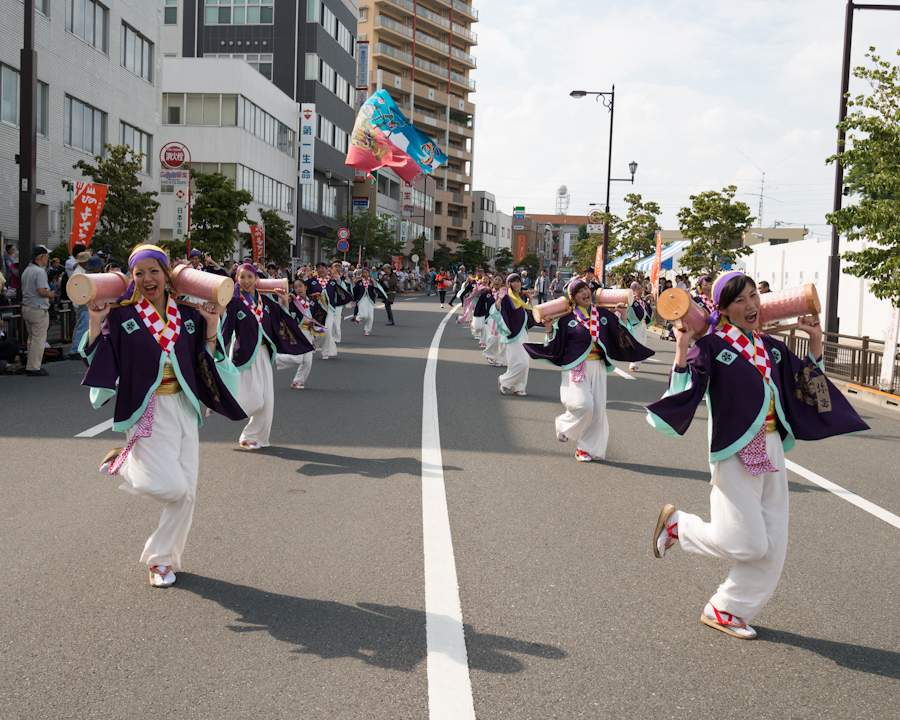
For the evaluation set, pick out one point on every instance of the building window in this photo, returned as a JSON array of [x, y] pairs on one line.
[[89, 21], [139, 142], [326, 131], [136, 53], [309, 197], [261, 63], [239, 12], [312, 66], [363, 15], [329, 201], [265, 190], [312, 11], [487, 204], [9, 100], [170, 13], [85, 127], [329, 21]]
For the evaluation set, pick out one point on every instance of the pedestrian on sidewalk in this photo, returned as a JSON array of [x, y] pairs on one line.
[[36, 297]]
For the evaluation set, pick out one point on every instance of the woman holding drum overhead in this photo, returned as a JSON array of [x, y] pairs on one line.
[[581, 343], [512, 314], [162, 360], [761, 398], [255, 328]]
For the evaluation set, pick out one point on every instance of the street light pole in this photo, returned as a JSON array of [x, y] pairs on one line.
[[27, 145]]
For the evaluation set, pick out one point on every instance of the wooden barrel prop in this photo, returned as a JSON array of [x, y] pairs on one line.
[[100, 287], [676, 305], [270, 285], [790, 303], [204, 286], [605, 297], [551, 310]]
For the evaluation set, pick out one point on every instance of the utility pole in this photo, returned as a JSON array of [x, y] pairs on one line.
[[27, 144]]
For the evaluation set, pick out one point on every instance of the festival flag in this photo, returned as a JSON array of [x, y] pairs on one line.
[[383, 137], [427, 269], [258, 241], [86, 209], [396, 262], [598, 261], [657, 263]]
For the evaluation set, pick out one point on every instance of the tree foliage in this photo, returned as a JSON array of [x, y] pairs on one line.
[[870, 160], [503, 260], [532, 264], [127, 217], [443, 256], [418, 248], [378, 242], [472, 254], [217, 211], [584, 250], [636, 234], [716, 225], [278, 237]]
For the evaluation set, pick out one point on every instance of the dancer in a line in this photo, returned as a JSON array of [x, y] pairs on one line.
[[365, 295], [161, 371], [761, 398], [327, 296], [343, 295], [301, 309], [255, 328], [466, 296], [494, 350], [638, 317], [704, 293], [481, 310], [583, 344], [512, 313]]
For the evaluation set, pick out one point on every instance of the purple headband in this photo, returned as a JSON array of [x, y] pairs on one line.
[[513, 276], [146, 252]]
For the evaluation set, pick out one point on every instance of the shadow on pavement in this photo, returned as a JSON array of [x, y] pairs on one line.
[[319, 464], [383, 636], [854, 657]]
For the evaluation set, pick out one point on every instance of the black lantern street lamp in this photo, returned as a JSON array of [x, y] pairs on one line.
[[608, 99]]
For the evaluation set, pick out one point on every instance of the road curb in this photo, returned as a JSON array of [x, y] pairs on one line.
[[868, 395]]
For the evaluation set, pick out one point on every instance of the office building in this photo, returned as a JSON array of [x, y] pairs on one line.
[[484, 221]]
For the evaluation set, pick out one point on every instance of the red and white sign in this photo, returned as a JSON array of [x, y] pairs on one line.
[[520, 248], [343, 234], [406, 200], [598, 261], [258, 242], [396, 262], [174, 155], [86, 209]]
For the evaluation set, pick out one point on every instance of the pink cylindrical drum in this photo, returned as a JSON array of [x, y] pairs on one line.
[[205, 286], [676, 305], [551, 310], [270, 285], [790, 303], [610, 298], [100, 287]]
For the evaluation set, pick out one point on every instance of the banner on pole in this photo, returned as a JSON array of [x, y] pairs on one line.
[[598, 261], [657, 263], [86, 209], [396, 261], [886, 381], [258, 242]]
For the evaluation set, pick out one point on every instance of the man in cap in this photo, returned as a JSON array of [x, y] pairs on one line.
[[36, 297]]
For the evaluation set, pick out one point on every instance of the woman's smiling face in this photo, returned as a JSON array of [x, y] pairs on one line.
[[247, 280], [743, 311], [150, 279]]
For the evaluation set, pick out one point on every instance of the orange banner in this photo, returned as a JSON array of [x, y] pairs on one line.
[[396, 262], [598, 261], [520, 248], [657, 262], [258, 242], [427, 269], [86, 209]]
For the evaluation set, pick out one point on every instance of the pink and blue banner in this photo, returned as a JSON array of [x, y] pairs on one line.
[[383, 137]]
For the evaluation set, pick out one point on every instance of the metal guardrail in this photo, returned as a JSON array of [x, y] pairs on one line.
[[60, 332]]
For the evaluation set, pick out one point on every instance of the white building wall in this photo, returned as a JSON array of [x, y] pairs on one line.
[[504, 230], [71, 66]]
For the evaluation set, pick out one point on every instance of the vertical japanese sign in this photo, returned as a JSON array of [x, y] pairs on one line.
[[520, 247], [427, 269], [180, 214], [406, 199], [396, 261], [86, 209], [657, 263], [307, 143], [598, 261], [362, 90], [258, 242], [404, 232]]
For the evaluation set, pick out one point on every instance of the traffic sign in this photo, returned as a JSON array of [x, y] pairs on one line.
[[343, 245], [344, 234], [415, 258], [174, 155], [595, 216]]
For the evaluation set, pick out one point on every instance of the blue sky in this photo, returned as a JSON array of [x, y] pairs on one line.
[[699, 86]]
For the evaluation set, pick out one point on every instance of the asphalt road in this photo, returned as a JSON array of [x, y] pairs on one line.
[[302, 595]]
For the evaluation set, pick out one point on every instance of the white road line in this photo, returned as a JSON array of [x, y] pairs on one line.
[[449, 686], [624, 374], [653, 360], [97, 429], [850, 497]]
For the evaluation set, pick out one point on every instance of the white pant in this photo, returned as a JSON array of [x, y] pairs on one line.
[[256, 395], [164, 467], [477, 327], [494, 349], [327, 342], [366, 313], [585, 417], [303, 362], [749, 525], [516, 375], [640, 334], [336, 326]]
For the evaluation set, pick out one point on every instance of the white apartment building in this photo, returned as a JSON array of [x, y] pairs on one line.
[[484, 221], [236, 122], [504, 230], [99, 74]]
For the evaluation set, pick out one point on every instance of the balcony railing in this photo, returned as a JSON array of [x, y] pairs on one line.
[[460, 30], [464, 56], [457, 222], [393, 52], [431, 67], [384, 21], [467, 9], [462, 80], [428, 15], [429, 113], [405, 4], [432, 42]]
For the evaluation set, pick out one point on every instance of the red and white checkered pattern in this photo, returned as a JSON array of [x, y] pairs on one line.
[[255, 307], [166, 333], [759, 357], [592, 325]]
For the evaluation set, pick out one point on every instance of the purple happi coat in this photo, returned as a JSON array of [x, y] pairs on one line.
[[572, 342], [808, 406], [374, 288], [243, 334], [126, 350], [484, 302], [511, 321]]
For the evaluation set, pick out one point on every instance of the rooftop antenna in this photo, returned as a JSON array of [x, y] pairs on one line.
[[762, 184], [562, 200]]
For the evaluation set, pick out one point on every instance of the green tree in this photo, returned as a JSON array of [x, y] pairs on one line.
[[418, 248], [716, 225], [503, 259], [443, 256], [873, 175], [532, 264], [636, 234], [278, 237], [472, 254], [127, 217], [378, 243], [584, 250], [217, 212], [582, 232]]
